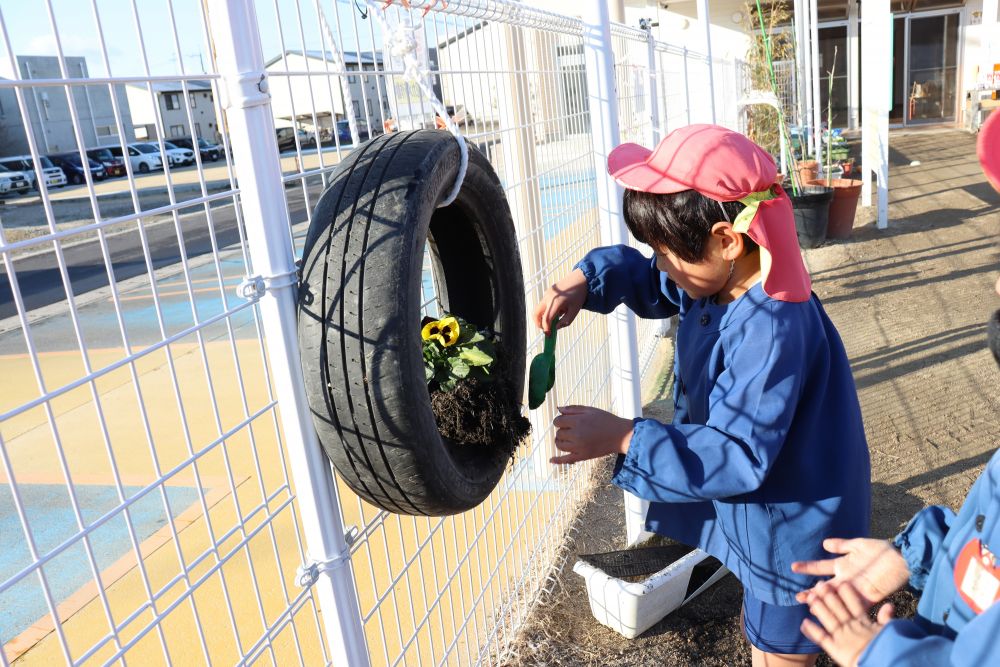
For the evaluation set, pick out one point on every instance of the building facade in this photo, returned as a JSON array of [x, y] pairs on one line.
[[47, 114], [163, 104]]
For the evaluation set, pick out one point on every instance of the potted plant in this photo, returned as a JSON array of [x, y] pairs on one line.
[[846, 191]]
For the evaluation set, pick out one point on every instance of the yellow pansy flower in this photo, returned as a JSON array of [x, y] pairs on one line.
[[443, 331]]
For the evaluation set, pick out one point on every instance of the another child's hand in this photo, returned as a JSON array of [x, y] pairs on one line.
[[564, 300], [587, 433], [846, 628], [873, 567]]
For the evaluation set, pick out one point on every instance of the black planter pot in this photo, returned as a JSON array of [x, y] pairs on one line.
[[812, 213]]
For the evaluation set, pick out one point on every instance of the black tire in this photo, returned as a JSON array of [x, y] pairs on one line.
[[360, 312], [143, 167]]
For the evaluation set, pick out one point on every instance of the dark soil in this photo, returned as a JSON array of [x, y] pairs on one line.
[[481, 414]]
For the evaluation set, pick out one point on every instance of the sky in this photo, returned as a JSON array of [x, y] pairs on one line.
[[26, 23]]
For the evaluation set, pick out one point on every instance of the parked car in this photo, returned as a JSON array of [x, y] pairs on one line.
[[113, 166], [178, 156], [344, 131], [13, 181], [286, 139], [209, 152], [54, 176], [142, 161], [72, 166]]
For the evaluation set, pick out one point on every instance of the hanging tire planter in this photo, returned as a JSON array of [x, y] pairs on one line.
[[360, 320]]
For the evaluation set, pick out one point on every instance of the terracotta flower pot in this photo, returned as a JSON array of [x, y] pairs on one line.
[[808, 169], [843, 207]]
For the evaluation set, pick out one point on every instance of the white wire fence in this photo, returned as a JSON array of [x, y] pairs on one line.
[[160, 489]]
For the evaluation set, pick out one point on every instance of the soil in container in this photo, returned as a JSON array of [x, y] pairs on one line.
[[635, 564], [482, 414]]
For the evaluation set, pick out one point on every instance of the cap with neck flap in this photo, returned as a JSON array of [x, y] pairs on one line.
[[725, 166]]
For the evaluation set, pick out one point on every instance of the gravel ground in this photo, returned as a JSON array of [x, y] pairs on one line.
[[911, 303]]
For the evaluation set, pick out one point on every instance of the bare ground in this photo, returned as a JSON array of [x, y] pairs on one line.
[[911, 304]]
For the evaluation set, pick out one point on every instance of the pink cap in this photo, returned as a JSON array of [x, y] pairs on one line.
[[725, 166], [988, 148], [716, 161]]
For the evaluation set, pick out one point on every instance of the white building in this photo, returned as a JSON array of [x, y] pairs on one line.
[[303, 96], [167, 97]]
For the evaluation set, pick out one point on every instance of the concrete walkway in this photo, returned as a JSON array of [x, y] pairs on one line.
[[911, 303]]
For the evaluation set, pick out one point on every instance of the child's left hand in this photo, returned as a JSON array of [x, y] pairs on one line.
[[847, 630], [587, 433]]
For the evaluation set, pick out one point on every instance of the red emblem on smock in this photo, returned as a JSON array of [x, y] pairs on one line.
[[977, 576]]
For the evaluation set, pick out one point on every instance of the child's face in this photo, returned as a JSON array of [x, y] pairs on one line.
[[699, 279]]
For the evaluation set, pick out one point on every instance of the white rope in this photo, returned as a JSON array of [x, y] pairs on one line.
[[401, 42]]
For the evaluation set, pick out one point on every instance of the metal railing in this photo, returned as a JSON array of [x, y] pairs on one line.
[[162, 494]]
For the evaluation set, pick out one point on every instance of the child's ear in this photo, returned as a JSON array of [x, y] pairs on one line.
[[730, 241]]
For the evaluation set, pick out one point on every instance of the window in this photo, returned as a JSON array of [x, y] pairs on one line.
[[191, 96], [369, 100], [357, 109], [106, 131], [172, 101], [350, 77], [177, 131], [197, 129]]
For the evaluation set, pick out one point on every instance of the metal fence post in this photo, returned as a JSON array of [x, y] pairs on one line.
[[233, 24], [656, 131], [625, 377]]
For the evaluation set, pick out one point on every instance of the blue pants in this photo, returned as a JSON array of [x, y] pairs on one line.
[[775, 629]]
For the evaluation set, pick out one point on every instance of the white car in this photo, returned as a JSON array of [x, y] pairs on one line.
[[178, 155], [54, 176], [142, 160], [13, 181]]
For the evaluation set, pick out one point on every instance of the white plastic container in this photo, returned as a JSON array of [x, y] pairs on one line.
[[632, 608]]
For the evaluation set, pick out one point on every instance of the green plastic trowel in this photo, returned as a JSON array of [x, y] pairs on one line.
[[542, 372]]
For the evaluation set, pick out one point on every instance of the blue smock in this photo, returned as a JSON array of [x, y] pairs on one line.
[[945, 631], [766, 455]]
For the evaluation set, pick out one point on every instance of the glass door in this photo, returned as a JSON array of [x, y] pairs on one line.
[[833, 40], [932, 71]]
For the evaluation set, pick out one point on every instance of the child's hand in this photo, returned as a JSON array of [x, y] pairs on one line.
[[873, 568], [563, 300], [847, 631], [587, 433]]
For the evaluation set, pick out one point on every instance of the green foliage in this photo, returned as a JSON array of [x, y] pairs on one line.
[[451, 359], [764, 124]]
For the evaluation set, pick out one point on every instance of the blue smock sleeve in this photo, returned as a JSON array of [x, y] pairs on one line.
[[903, 643], [920, 541], [620, 274], [751, 408]]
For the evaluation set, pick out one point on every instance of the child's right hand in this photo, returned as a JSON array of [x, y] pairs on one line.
[[563, 300]]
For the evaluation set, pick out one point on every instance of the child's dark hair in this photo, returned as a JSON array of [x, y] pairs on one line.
[[681, 222]]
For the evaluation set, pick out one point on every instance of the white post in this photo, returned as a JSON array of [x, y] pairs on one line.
[[801, 114], [990, 48], [853, 66], [703, 16], [817, 98], [625, 387], [656, 132], [255, 152], [876, 98]]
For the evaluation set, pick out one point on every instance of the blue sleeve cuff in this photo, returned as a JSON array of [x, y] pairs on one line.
[[903, 642], [626, 464], [921, 539]]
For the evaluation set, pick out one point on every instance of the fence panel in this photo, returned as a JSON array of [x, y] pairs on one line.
[[144, 469]]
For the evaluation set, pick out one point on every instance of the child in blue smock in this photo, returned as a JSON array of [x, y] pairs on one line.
[[766, 455], [951, 559]]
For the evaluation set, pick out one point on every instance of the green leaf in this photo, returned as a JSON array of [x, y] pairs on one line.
[[539, 375], [428, 372], [475, 356], [459, 368]]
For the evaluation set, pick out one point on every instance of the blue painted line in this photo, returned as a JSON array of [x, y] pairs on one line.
[[51, 520]]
